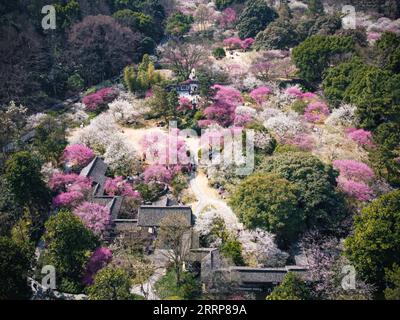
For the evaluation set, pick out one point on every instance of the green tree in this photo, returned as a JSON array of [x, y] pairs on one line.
[[270, 202], [388, 47], [68, 246], [376, 93], [15, 265], [291, 288], [219, 53], [384, 155], [392, 292], [25, 183], [278, 35], [188, 289], [111, 283], [316, 184], [178, 24], [254, 18], [337, 79], [316, 54], [375, 243], [50, 139]]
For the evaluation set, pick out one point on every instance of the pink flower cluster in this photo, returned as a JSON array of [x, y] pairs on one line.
[[361, 136], [72, 189], [184, 104], [98, 99], [222, 111], [78, 155], [298, 93], [227, 18], [260, 94], [302, 141], [100, 258], [354, 178], [236, 43], [316, 112], [119, 187], [94, 216], [159, 174]]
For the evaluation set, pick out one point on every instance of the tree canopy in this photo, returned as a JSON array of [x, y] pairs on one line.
[[375, 243]]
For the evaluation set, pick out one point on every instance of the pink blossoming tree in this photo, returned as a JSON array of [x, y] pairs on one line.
[[78, 155], [316, 112], [222, 111], [119, 187], [99, 99], [227, 18], [100, 258], [94, 216], [260, 94], [360, 136]]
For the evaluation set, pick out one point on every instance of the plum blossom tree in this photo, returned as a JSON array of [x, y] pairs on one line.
[[232, 43], [158, 173], [354, 170], [285, 125], [260, 94], [316, 112], [119, 187], [100, 258], [260, 250], [225, 101], [354, 178], [121, 157], [127, 111], [303, 141], [354, 189], [344, 116], [78, 155], [244, 115], [360, 136], [99, 99], [94, 216], [227, 18]]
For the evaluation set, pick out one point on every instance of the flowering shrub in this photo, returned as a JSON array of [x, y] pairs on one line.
[[316, 112], [127, 112], [222, 111], [354, 189], [158, 173], [260, 94], [354, 170], [227, 18], [302, 141], [98, 99], [184, 104], [61, 182], [233, 43], [361, 136], [78, 155], [259, 249], [343, 116], [100, 258], [247, 43], [353, 179], [284, 125], [68, 199], [294, 91], [94, 216], [244, 115], [237, 43], [119, 187]]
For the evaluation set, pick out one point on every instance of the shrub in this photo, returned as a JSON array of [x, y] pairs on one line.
[[219, 53]]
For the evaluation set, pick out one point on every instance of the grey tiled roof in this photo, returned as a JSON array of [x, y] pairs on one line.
[[112, 203], [96, 171], [151, 216], [264, 276]]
